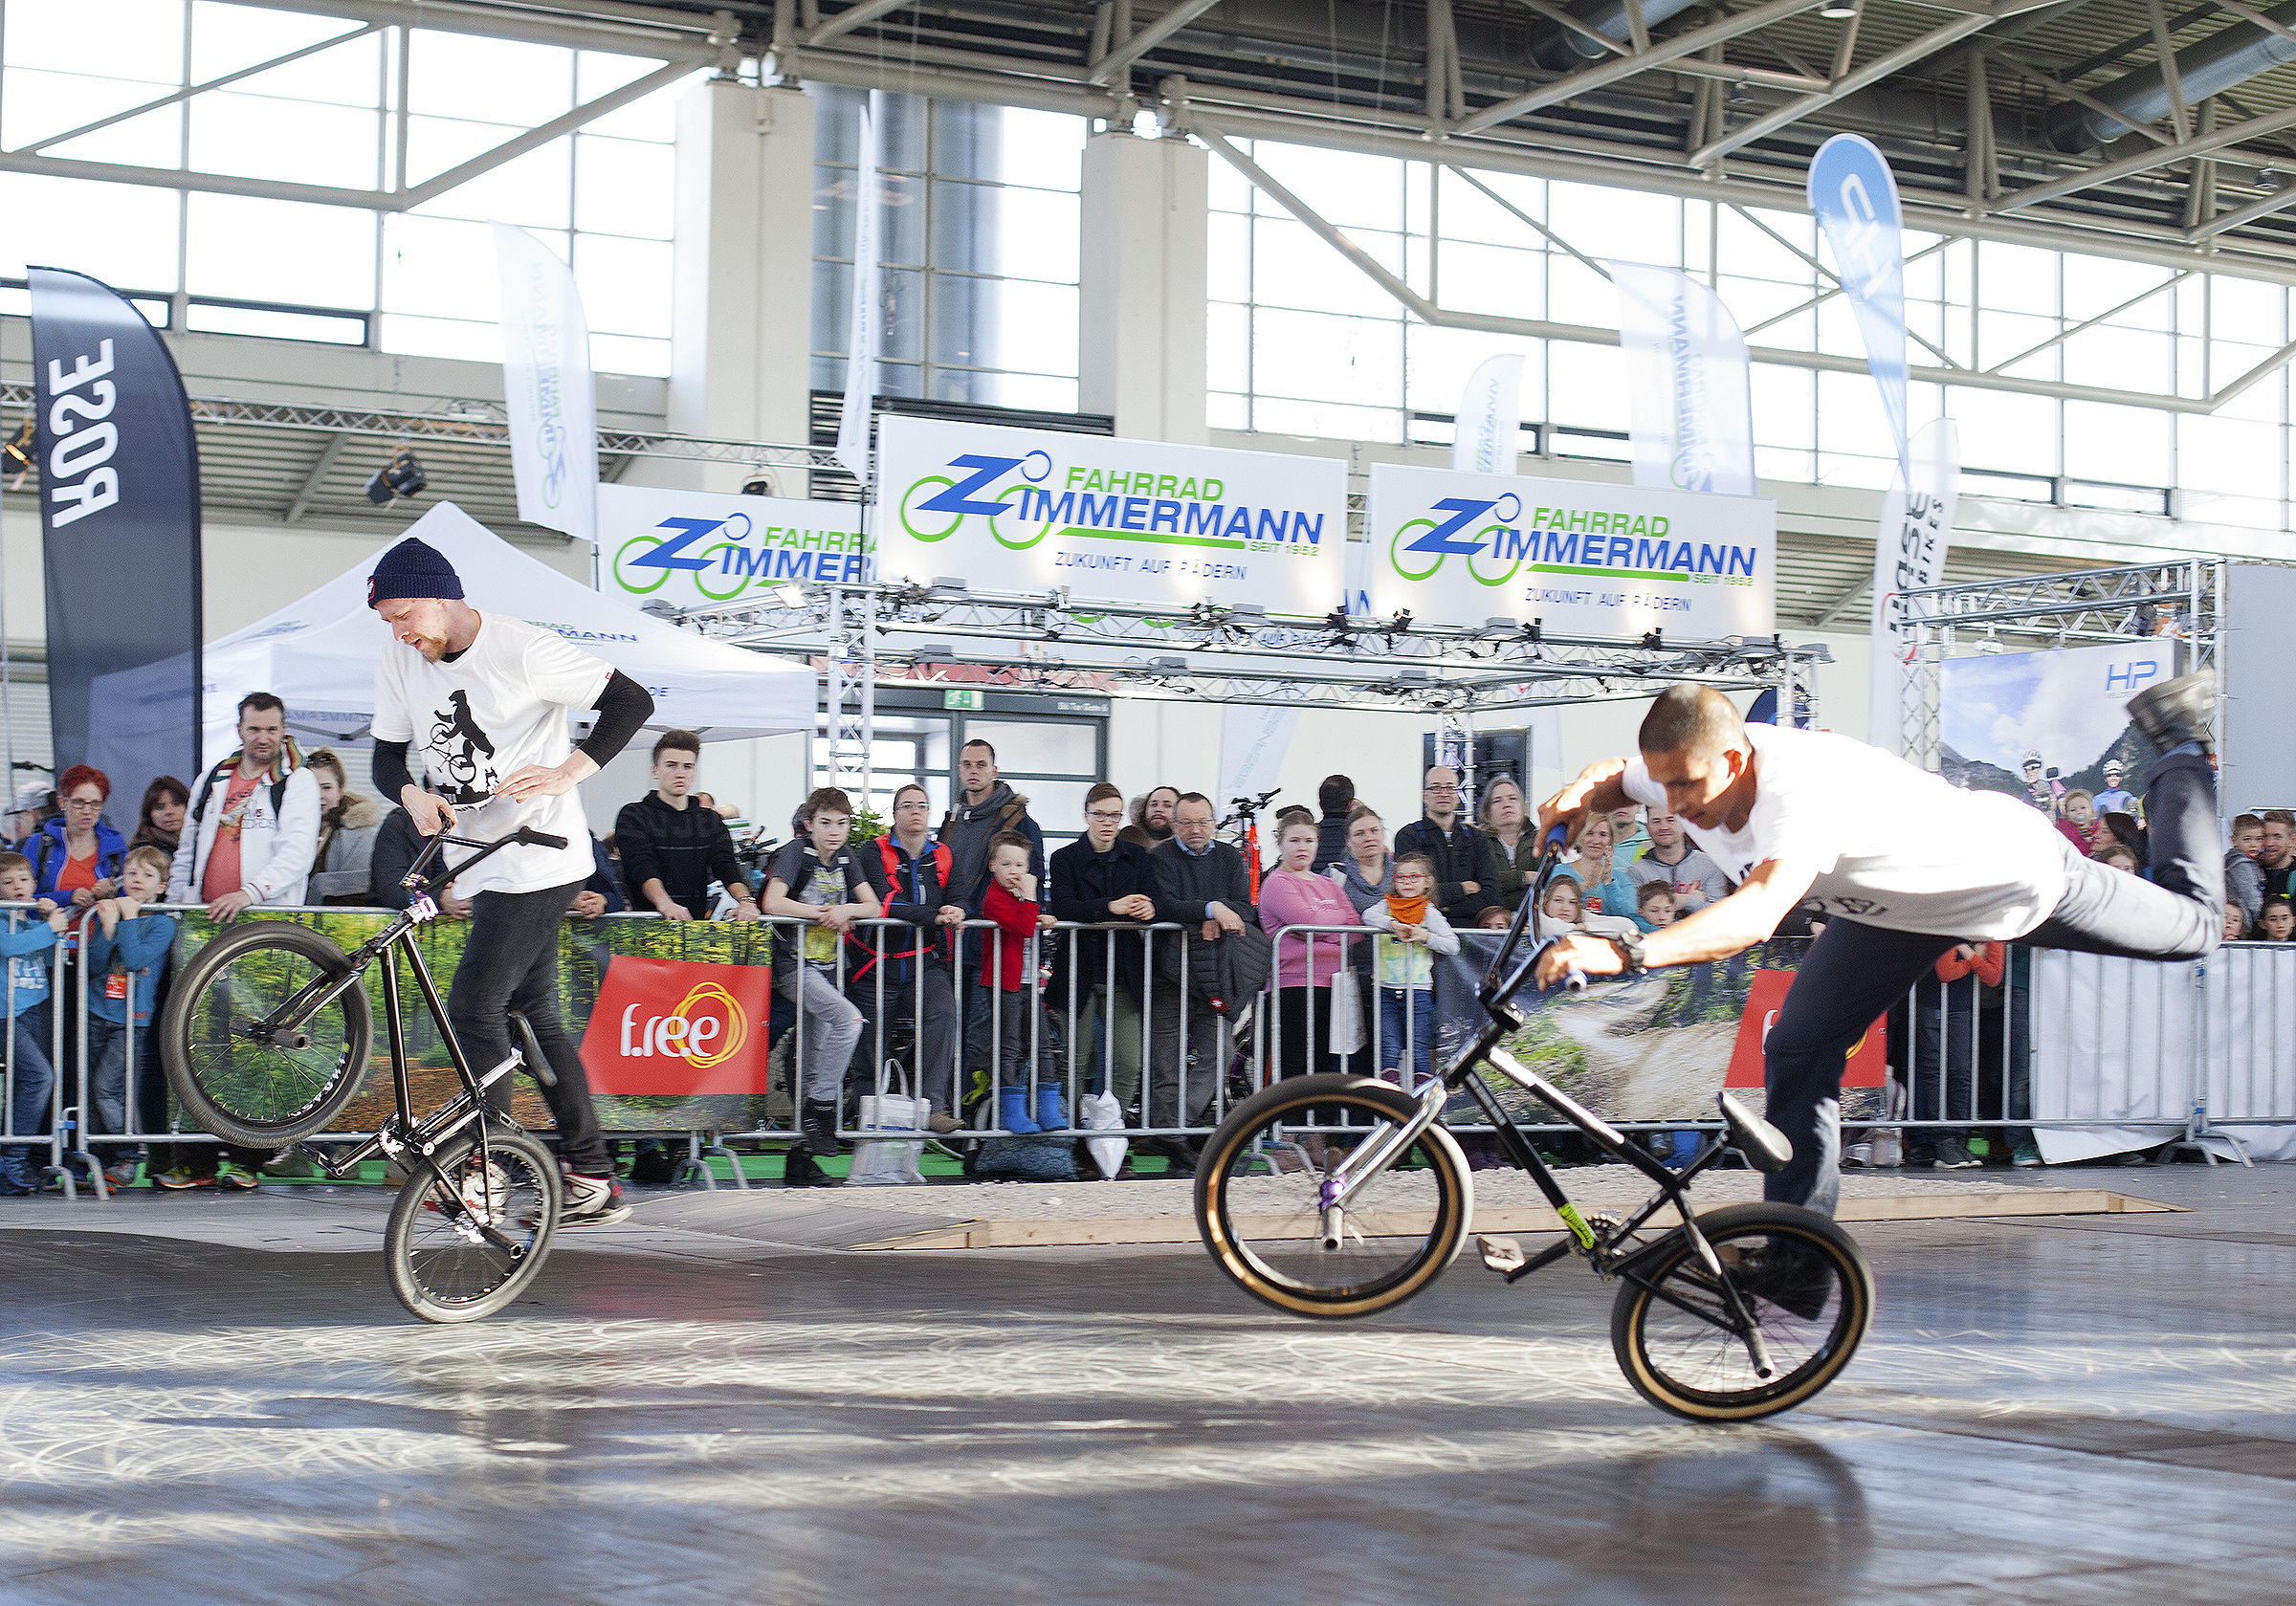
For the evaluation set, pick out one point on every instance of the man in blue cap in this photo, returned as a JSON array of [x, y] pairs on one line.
[[480, 702]]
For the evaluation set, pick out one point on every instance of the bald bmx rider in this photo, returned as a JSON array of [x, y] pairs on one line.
[[1900, 864]]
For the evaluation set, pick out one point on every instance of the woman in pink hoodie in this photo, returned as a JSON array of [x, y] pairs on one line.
[[1294, 895]]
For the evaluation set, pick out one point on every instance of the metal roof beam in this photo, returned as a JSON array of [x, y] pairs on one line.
[[2146, 161], [849, 19], [1589, 78], [1125, 52], [1907, 55]]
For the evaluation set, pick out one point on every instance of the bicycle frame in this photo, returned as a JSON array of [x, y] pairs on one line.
[[1388, 1143], [403, 1137]]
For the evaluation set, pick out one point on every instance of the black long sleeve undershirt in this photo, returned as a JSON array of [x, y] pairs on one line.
[[622, 709]]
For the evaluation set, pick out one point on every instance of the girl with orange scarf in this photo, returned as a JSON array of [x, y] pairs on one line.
[[1412, 930]]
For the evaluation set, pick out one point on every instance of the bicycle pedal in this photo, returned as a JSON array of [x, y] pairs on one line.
[[1501, 1255]]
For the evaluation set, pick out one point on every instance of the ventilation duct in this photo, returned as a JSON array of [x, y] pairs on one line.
[[1559, 49], [2223, 60]]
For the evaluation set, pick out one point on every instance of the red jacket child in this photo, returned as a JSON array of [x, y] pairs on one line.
[[1016, 921]]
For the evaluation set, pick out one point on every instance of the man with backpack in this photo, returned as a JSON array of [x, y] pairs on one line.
[[914, 972], [253, 824]]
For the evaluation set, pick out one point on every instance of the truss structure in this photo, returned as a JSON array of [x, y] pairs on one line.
[[2182, 603], [1239, 654]]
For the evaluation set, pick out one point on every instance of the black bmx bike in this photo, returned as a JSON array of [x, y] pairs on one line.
[[1343, 1196], [265, 1040]]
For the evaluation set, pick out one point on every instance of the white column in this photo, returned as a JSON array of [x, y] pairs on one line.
[[743, 276], [1141, 348]]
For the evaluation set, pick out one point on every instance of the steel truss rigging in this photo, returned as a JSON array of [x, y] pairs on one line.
[[1241, 654]]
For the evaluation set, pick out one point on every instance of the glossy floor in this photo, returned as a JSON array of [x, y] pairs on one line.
[[202, 1402]]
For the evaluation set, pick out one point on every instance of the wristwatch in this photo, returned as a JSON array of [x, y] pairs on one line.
[[1631, 951]]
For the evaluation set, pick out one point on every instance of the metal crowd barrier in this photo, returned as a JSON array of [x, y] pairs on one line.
[[2069, 1042]]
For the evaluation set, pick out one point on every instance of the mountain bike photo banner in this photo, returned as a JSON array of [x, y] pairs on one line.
[[621, 984], [1614, 562], [1657, 1048]]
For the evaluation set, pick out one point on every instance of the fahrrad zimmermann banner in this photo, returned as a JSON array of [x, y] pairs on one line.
[[1584, 559], [119, 514], [1110, 519]]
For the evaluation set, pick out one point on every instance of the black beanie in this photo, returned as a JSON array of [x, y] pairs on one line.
[[412, 568]]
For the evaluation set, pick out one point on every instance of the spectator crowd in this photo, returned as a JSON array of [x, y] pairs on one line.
[[959, 945]]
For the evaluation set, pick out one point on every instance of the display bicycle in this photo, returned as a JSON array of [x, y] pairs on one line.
[[1337, 1197], [265, 1038]]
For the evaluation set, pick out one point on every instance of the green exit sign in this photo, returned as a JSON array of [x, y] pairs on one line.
[[965, 697]]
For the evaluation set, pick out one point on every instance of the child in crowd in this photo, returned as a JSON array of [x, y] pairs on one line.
[[2278, 922], [2078, 821], [823, 882], [1412, 930], [25, 947], [2119, 855], [2244, 866], [1654, 910], [124, 959], [1009, 977], [2236, 923]]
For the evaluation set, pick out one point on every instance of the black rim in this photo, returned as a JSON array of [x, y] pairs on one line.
[[266, 1084], [513, 1198], [1681, 1344]]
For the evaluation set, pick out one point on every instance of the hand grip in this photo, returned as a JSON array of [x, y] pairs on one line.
[[1557, 835], [541, 839]]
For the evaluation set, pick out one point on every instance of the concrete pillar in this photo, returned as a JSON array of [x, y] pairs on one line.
[[742, 277], [1141, 347]]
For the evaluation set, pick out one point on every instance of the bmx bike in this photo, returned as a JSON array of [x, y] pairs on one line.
[[1334, 1196], [265, 1040]]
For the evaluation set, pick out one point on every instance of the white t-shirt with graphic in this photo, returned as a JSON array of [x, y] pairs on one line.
[[1893, 846], [503, 704]]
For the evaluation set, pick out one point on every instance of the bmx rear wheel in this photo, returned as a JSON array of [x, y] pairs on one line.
[[441, 1266], [1801, 1279], [258, 1091], [1259, 1209]]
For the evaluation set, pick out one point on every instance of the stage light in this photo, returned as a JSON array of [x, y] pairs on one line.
[[1836, 11], [1168, 666], [397, 479], [760, 483], [789, 594], [934, 652]]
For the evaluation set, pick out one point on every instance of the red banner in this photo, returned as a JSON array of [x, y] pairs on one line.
[[674, 1026], [1868, 1064]]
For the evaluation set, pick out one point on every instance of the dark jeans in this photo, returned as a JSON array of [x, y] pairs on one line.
[[34, 1077], [934, 1054], [510, 962], [1944, 1067], [1855, 972]]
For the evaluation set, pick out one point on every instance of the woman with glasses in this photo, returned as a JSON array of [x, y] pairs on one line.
[[1104, 878], [76, 857]]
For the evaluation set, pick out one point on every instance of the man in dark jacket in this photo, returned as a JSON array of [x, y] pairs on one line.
[[1102, 879], [1467, 867], [985, 806], [1337, 797], [672, 848], [1201, 883]]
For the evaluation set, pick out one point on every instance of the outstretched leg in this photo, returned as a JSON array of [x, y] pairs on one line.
[[2179, 913], [1851, 975]]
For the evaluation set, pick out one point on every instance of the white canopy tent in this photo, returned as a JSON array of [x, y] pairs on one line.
[[319, 653]]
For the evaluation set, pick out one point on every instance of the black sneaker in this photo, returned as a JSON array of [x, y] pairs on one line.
[[2175, 711], [1952, 1155], [1788, 1276]]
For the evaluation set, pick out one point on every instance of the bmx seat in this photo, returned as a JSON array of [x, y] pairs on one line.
[[1764, 1146]]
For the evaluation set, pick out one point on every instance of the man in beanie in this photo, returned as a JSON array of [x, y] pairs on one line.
[[478, 703]]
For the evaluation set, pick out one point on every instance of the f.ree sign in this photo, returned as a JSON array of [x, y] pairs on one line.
[[674, 1026]]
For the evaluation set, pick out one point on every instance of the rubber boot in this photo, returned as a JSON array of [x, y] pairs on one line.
[[817, 1122], [1049, 1113], [1013, 1111]]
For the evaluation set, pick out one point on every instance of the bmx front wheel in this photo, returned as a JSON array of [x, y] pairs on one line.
[[249, 1085], [1259, 1199], [443, 1267], [1799, 1277]]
